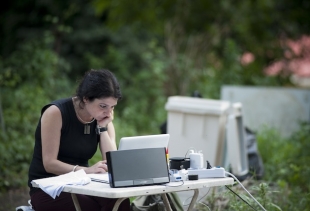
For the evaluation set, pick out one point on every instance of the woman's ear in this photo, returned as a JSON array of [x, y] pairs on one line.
[[85, 100]]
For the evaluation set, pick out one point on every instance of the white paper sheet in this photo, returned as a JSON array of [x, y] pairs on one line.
[[54, 185]]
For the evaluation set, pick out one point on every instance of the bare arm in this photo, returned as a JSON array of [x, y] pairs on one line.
[[107, 141], [51, 124], [107, 138]]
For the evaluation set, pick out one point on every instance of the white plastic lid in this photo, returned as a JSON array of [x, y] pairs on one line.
[[197, 105]]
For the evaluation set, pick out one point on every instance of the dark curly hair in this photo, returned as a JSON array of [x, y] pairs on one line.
[[98, 84]]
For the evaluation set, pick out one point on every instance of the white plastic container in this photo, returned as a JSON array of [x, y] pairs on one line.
[[197, 123], [236, 142], [196, 160]]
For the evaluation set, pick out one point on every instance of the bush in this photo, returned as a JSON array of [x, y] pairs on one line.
[[29, 78], [285, 162]]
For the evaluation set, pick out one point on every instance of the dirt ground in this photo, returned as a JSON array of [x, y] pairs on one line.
[[14, 198]]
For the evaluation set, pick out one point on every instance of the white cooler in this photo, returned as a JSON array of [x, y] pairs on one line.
[[197, 123]]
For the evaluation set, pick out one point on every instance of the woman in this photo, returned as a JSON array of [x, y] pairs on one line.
[[67, 136]]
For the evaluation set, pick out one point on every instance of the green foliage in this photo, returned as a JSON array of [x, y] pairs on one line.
[[33, 76], [143, 93], [204, 40], [156, 49], [285, 185], [141, 111], [141, 75], [226, 199], [262, 194], [285, 162]]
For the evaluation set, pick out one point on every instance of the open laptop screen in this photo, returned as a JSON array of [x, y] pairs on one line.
[[141, 142]]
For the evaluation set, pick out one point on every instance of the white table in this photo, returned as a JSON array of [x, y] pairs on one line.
[[104, 190]]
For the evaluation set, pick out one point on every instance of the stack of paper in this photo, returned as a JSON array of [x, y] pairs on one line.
[[54, 185]]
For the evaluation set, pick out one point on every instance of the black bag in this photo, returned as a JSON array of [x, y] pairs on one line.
[[156, 203], [256, 166]]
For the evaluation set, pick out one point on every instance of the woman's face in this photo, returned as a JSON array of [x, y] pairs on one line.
[[101, 108]]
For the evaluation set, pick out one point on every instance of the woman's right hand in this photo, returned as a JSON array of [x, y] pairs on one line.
[[99, 167]]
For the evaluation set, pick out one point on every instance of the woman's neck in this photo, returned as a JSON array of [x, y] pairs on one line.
[[81, 112]]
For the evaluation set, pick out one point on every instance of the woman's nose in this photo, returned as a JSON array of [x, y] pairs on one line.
[[108, 109]]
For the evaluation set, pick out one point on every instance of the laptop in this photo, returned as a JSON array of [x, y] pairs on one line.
[[137, 167], [142, 142]]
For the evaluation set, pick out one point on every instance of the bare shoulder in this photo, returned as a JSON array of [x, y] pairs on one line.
[[52, 110], [52, 113]]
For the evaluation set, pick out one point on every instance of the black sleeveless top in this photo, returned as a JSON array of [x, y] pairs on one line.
[[75, 148]]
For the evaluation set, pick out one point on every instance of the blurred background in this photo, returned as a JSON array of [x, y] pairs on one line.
[[156, 49]]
